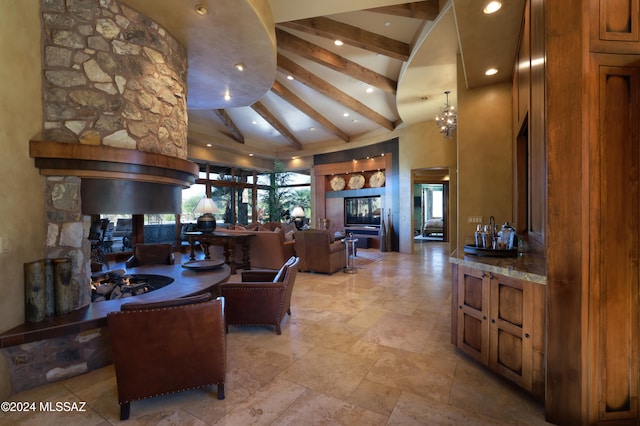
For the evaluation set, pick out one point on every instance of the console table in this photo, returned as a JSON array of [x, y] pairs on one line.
[[228, 240]]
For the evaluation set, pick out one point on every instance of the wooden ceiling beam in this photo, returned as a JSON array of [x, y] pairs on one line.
[[230, 125], [301, 105], [425, 10], [354, 36], [320, 85], [322, 56], [276, 124]]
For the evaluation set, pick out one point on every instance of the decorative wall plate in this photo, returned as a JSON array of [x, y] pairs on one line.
[[377, 179], [337, 183], [356, 182]]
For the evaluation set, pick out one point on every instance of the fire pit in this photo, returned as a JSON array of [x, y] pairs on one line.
[[118, 284]]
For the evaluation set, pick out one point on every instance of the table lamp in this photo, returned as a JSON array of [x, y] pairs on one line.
[[206, 221], [298, 217]]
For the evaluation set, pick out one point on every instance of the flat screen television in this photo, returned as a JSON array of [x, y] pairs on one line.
[[362, 211]]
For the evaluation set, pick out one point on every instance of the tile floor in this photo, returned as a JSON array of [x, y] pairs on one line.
[[372, 348]]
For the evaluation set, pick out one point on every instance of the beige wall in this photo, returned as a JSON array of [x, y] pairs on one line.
[[479, 158], [484, 156], [21, 191], [422, 146]]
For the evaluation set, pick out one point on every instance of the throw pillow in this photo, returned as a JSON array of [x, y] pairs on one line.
[[289, 236]]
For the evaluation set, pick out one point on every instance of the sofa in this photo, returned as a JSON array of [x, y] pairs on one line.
[[319, 252], [268, 249]]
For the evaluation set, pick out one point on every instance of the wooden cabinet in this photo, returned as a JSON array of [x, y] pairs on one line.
[[500, 324], [615, 26], [473, 313]]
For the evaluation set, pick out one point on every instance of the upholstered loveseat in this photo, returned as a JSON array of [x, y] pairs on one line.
[[268, 249]]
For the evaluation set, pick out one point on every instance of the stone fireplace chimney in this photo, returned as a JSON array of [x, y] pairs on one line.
[[115, 122]]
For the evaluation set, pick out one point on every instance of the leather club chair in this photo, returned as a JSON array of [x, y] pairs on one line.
[[151, 254], [319, 252], [166, 347], [262, 298]]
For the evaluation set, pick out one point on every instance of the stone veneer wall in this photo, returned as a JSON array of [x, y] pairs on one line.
[[112, 77], [67, 233], [45, 361]]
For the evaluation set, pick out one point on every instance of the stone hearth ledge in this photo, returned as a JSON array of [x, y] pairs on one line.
[[187, 282]]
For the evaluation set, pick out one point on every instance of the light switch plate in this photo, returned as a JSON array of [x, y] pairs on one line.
[[474, 219]]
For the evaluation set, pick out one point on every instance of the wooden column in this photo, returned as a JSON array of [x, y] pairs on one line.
[[566, 320]]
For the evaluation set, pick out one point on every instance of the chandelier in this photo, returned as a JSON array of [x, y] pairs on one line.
[[447, 120]]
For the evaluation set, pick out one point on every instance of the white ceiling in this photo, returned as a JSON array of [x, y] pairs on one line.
[[243, 31]]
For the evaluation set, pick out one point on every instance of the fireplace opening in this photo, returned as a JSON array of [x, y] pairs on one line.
[[118, 284]]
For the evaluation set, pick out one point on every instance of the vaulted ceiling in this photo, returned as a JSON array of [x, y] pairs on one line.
[[299, 93]]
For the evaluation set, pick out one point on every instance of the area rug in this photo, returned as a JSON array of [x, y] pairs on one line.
[[366, 257]]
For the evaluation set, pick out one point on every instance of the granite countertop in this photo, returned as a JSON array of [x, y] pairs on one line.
[[527, 267]]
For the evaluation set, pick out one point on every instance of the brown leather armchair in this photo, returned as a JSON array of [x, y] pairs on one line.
[[151, 254], [262, 298], [319, 252], [167, 347]]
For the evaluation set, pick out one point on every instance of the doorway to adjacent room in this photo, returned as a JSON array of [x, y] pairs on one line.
[[430, 204]]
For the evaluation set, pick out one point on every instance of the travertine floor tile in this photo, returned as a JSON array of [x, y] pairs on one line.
[[370, 348], [414, 410], [328, 371], [318, 409]]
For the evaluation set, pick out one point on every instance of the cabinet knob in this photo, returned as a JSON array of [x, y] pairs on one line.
[[484, 317], [493, 321], [483, 275], [491, 276], [460, 307], [526, 335]]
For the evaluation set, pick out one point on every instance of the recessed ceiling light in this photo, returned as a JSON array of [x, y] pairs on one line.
[[491, 71], [289, 77], [338, 43], [254, 122], [387, 24], [227, 96], [251, 154], [209, 145], [202, 9], [239, 67], [492, 7], [346, 114], [312, 129], [369, 90]]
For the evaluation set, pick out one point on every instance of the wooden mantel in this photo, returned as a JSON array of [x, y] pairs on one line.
[[104, 162]]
